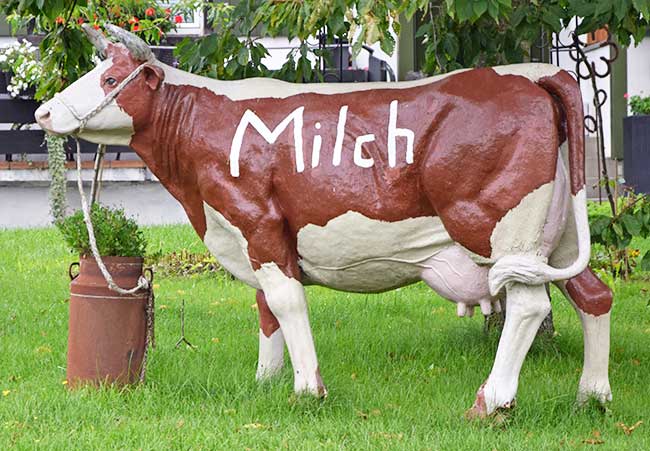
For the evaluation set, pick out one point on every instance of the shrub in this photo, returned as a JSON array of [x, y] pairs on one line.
[[612, 235], [639, 105], [116, 234]]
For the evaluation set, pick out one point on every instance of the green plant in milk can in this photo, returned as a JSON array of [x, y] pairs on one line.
[[116, 234]]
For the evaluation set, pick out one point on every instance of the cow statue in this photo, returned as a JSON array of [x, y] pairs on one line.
[[455, 180]]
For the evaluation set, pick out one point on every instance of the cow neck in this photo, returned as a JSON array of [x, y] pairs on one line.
[[165, 142]]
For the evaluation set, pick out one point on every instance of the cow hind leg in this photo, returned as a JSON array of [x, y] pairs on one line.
[[526, 308], [271, 341], [592, 300]]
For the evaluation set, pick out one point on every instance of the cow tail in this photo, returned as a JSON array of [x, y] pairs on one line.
[[531, 270]]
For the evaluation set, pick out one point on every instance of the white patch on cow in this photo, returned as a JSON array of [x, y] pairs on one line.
[[595, 379], [531, 268], [228, 245], [532, 71], [355, 253], [520, 231], [112, 125], [250, 118], [285, 297], [595, 371], [260, 88], [526, 308], [271, 354]]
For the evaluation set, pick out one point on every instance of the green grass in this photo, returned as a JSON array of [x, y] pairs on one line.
[[400, 368]]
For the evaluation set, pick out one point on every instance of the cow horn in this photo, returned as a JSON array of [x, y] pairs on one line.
[[96, 38], [138, 48]]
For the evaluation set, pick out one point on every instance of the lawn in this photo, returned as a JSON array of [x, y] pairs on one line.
[[400, 368]]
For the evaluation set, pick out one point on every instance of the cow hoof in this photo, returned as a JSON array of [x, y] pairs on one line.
[[599, 392], [479, 410], [265, 374], [316, 387]]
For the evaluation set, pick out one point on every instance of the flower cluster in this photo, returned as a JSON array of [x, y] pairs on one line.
[[21, 61], [148, 18]]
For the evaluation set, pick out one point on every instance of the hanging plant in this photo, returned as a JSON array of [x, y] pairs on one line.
[[56, 164]]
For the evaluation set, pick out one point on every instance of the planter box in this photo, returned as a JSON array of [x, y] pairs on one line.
[[636, 146]]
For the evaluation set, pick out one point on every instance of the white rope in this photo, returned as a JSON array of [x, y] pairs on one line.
[[143, 284]]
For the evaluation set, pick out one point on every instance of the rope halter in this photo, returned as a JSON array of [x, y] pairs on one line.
[[108, 98]]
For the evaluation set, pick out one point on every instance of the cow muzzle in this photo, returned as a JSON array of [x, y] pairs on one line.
[[54, 118]]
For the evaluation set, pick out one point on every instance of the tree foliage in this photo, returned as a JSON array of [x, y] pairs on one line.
[[455, 33], [471, 33]]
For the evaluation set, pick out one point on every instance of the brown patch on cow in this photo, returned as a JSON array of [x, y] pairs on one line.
[[475, 175], [589, 293], [469, 176], [268, 322], [479, 408]]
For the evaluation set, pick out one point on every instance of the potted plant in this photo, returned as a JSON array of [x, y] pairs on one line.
[[636, 144], [109, 329]]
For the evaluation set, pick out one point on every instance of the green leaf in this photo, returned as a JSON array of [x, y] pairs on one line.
[[242, 56], [209, 45], [450, 45], [645, 262], [632, 224], [480, 7]]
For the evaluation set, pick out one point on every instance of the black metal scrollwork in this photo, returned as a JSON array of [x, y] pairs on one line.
[[590, 71]]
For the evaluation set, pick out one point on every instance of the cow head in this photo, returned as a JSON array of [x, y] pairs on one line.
[[84, 109]]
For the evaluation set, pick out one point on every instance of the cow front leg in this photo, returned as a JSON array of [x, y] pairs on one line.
[[285, 297], [526, 308], [271, 350]]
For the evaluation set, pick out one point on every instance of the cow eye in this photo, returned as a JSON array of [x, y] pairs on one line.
[[110, 81]]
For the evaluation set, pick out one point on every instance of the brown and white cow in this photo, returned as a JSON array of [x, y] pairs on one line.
[[455, 180]]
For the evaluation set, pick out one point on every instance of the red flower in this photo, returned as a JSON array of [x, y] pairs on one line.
[[178, 19], [59, 20], [135, 27], [626, 95], [168, 12], [96, 27], [133, 20], [150, 12], [80, 20]]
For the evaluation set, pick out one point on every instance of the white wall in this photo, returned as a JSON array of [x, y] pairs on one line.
[[638, 68], [279, 48]]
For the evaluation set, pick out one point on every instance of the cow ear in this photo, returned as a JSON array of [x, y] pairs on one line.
[[153, 76]]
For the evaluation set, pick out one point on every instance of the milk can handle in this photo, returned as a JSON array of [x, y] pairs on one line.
[[73, 276]]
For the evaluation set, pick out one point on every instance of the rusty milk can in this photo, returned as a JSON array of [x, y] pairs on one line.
[[107, 335]]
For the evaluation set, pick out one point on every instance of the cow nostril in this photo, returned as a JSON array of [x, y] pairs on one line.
[[42, 115]]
